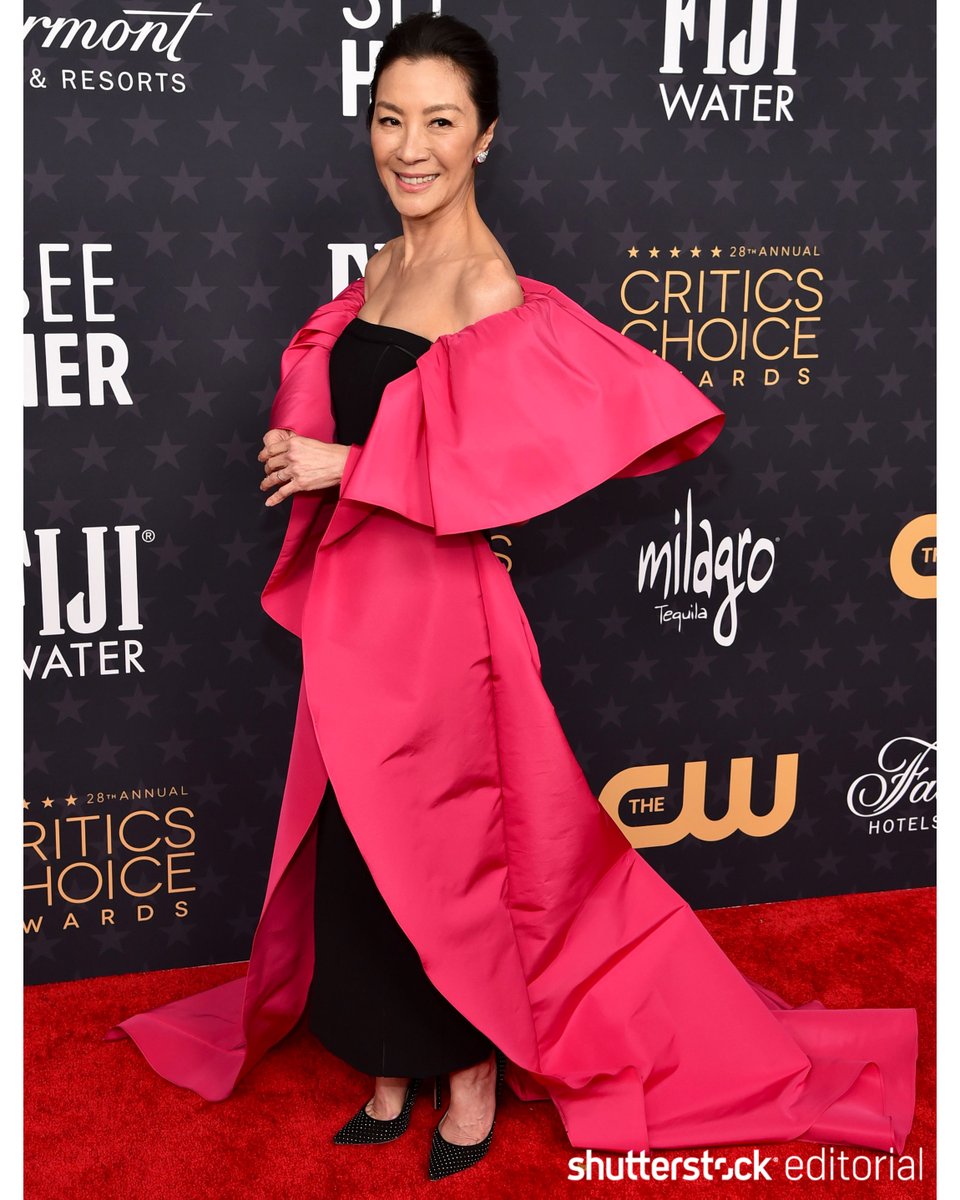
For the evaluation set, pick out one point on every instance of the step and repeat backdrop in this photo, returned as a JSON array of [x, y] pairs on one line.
[[741, 650]]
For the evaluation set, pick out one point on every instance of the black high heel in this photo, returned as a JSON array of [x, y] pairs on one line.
[[446, 1158], [364, 1130]]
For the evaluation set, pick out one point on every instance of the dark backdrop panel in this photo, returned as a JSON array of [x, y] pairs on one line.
[[741, 650]]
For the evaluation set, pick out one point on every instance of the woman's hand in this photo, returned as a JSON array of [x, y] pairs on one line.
[[292, 463]]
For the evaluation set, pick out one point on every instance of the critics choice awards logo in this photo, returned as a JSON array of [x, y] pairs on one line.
[[740, 323], [85, 865]]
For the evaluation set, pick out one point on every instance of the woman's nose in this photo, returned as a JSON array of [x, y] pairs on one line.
[[412, 148]]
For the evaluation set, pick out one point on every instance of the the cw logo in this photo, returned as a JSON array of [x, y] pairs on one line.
[[692, 820], [905, 575]]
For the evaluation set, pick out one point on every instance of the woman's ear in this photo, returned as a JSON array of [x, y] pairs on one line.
[[487, 136]]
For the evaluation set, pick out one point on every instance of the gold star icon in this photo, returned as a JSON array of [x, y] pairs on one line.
[[633, 252], [654, 252], [715, 252], [695, 252], [26, 804], [674, 252], [71, 800], [47, 803]]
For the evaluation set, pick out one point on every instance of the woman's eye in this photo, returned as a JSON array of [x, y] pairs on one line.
[[433, 122]]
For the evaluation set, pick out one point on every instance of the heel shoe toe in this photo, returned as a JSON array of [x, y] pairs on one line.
[[364, 1130], [446, 1158]]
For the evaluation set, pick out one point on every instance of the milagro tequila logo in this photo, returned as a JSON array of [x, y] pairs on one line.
[[904, 765], [739, 51], [86, 612], [725, 565]]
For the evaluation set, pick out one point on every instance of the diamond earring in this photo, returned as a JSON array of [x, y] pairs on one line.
[[481, 157]]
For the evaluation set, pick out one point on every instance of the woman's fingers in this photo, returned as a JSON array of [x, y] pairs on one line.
[[275, 477], [282, 493], [276, 467], [298, 464], [270, 440]]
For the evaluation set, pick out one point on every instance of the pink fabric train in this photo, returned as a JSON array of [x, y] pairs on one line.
[[529, 910]]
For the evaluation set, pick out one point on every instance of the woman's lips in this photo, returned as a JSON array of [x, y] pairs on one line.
[[413, 187]]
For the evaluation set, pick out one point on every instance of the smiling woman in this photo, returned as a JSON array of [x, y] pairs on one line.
[[447, 269], [433, 111], [444, 883], [417, 147]]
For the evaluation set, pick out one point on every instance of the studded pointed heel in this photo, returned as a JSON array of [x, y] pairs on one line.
[[364, 1130], [446, 1158]]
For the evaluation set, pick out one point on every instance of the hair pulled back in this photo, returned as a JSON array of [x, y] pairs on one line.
[[429, 35]]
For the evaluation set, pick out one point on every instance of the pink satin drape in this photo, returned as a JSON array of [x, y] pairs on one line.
[[529, 910]]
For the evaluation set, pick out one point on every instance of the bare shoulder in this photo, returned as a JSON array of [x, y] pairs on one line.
[[377, 264], [490, 287]]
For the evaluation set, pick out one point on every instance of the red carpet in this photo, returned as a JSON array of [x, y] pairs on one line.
[[100, 1125]]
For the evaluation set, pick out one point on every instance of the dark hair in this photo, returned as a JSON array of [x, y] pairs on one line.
[[428, 35]]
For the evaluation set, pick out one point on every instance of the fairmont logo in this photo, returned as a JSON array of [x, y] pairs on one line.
[[904, 766], [724, 565], [160, 36]]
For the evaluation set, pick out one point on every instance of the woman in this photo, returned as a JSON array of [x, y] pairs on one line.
[[440, 396], [445, 272]]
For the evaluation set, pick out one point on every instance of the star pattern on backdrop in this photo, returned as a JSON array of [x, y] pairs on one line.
[[220, 204]]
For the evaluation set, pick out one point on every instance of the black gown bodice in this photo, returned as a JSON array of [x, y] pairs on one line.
[[363, 360], [371, 1002]]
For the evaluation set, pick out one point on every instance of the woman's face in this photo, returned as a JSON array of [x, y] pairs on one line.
[[425, 125]]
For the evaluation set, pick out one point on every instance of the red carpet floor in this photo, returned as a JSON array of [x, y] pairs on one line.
[[100, 1125]]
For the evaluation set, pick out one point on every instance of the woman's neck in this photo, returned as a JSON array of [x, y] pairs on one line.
[[441, 238]]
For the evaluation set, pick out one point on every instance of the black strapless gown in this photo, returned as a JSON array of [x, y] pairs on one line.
[[371, 1002]]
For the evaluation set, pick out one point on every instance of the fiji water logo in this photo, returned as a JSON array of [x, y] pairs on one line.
[[741, 52], [82, 623], [694, 562]]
